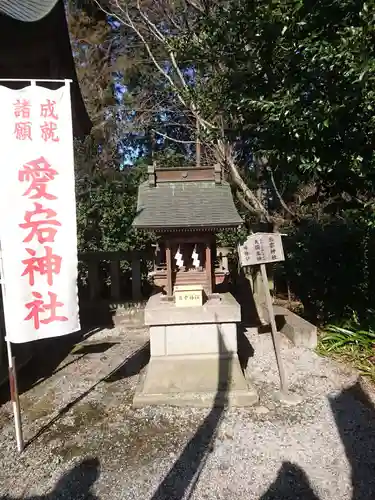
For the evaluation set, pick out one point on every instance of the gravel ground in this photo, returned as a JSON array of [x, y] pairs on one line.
[[86, 442]]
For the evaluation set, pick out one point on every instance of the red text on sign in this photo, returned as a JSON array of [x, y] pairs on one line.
[[48, 130], [22, 131], [47, 265], [39, 173], [44, 312], [47, 110], [22, 108], [41, 224]]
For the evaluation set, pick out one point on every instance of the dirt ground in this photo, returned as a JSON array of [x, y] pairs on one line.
[[85, 441]]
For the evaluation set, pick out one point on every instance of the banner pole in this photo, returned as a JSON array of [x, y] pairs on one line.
[[13, 386], [39, 80], [15, 398]]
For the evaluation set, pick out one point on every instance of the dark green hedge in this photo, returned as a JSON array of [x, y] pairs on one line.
[[330, 268]]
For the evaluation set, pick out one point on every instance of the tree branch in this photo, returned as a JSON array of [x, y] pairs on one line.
[[195, 4], [131, 24], [152, 27], [224, 152], [277, 192], [245, 203], [171, 138], [226, 156], [111, 14], [250, 196]]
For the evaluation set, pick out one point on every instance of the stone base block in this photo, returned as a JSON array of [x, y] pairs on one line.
[[197, 382], [194, 339], [210, 329]]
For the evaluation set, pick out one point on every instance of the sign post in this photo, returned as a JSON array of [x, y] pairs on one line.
[[261, 249], [38, 220]]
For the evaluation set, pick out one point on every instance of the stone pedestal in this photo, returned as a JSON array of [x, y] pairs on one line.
[[194, 355]]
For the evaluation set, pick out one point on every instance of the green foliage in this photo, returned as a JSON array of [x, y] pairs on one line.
[[351, 342], [339, 338], [106, 204], [293, 82], [296, 80], [330, 267]]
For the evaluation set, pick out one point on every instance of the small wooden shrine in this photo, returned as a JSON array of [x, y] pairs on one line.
[[186, 207]]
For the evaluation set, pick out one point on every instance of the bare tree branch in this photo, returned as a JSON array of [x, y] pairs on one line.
[[277, 192], [172, 138], [224, 152], [245, 203], [132, 25], [196, 5], [152, 27], [110, 14], [227, 156]]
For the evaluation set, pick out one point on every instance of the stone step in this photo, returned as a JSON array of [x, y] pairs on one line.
[[107, 312], [129, 317]]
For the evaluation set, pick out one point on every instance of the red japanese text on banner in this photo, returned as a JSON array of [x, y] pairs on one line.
[[38, 223]]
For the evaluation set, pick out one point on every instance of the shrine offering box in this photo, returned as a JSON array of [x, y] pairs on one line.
[[188, 295]]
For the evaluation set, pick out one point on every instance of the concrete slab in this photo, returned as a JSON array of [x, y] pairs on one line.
[[298, 330], [199, 382]]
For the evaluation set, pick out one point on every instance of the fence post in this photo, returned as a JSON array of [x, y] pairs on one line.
[[2, 344], [115, 280], [136, 277], [222, 253], [93, 279]]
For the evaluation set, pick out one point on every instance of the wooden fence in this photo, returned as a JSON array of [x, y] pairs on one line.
[[103, 277], [120, 282]]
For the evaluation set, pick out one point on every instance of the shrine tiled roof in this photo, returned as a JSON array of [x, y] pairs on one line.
[[186, 205]]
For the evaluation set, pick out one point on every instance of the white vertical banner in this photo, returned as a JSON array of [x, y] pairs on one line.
[[38, 213]]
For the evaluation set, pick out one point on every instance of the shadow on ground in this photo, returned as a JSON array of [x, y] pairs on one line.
[[354, 415], [244, 295], [132, 365], [291, 483], [244, 349], [46, 356], [183, 476], [353, 412], [75, 484]]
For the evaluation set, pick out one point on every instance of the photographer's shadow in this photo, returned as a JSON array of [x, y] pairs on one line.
[[291, 483], [354, 416], [75, 484]]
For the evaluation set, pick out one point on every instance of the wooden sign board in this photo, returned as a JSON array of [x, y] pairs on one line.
[[188, 295], [261, 248]]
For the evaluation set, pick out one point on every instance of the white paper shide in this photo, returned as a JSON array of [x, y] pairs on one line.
[[38, 215]]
